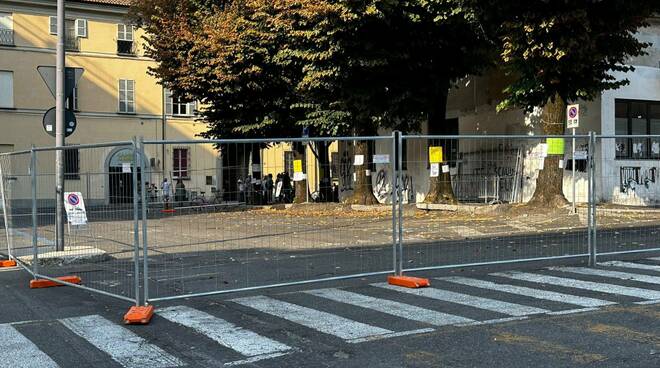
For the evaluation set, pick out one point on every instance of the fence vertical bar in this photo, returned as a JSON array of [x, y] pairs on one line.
[[591, 208], [136, 225], [394, 203], [10, 244], [33, 184], [143, 198], [400, 200]]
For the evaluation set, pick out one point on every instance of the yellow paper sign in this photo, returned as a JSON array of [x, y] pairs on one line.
[[297, 166], [435, 155], [555, 146]]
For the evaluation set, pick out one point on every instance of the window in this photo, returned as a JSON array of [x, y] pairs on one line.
[[72, 102], [6, 89], [73, 29], [71, 164], [637, 118], [125, 44], [180, 164], [6, 29], [288, 162], [174, 106], [126, 96]]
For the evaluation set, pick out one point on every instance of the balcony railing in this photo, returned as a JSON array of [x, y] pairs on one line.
[[72, 43], [126, 48], [6, 36]]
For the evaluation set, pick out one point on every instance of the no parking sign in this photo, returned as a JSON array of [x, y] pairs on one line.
[[75, 208]]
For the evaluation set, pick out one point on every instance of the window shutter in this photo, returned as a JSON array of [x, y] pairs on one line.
[[52, 24], [81, 28]]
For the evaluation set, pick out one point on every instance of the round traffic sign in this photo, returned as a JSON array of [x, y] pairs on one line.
[[572, 112], [73, 199], [70, 122]]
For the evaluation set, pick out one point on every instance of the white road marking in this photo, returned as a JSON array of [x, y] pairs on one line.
[[391, 307], [655, 259], [579, 284], [494, 321], [470, 300], [608, 273], [639, 266], [532, 293], [572, 311], [123, 346], [344, 328], [225, 333], [17, 351]]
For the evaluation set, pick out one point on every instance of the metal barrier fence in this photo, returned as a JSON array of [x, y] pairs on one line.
[[175, 219]]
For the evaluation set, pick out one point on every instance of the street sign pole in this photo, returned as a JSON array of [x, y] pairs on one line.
[[573, 166], [59, 126]]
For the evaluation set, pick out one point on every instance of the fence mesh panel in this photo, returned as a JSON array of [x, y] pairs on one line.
[[16, 204], [243, 215]]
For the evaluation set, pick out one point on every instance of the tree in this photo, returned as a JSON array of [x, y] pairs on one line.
[[559, 51]]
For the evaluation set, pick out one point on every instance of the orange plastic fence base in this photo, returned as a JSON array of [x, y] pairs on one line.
[[8, 263], [43, 283], [408, 281], [139, 315]]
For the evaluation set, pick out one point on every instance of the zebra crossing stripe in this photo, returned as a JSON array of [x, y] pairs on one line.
[[391, 307], [532, 293], [639, 266], [123, 346], [579, 284], [654, 259], [225, 333], [17, 351], [344, 328], [608, 273], [498, 306]]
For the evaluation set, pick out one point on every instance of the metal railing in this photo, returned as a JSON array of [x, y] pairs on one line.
[[227, 215], [6, 37]]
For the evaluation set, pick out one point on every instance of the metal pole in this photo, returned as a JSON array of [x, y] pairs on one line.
[[60, 100], [33, 183], [400, 198], [136, 224], [4, 214], [394, 202], [573, 167], [163, 128], [143, 197], [591, 219]]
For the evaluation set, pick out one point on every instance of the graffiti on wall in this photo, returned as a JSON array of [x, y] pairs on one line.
[[382, 190], [632, 177], [346, 172]]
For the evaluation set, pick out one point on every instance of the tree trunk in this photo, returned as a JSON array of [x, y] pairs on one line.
[[549, 184], [440, 189], [300, 186], [363, 192], [325, 181]]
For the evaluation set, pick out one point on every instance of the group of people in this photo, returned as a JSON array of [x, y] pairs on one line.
[[166, 192], [266, 190]]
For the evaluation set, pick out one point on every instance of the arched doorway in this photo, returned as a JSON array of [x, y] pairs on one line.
[[120, 166]]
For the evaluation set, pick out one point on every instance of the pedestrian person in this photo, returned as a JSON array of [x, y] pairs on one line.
[[165, 187]]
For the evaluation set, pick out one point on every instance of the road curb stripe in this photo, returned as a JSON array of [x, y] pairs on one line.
[[244, 341], [611, 274], [498, 306], [17, 351], [530, 292], [579, 284], [123, 346], [391, 307], [327, 323]]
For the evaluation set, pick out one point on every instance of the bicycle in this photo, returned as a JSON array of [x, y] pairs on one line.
[[199, 201]]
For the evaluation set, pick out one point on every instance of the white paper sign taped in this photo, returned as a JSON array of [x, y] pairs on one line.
[[359, 160], [561, 164], [381, 159], [435, 170], [445, 168], [541, 164], [298, 176], [126, 167]]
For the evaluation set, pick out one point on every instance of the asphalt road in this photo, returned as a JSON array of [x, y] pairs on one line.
[[562, 317]]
